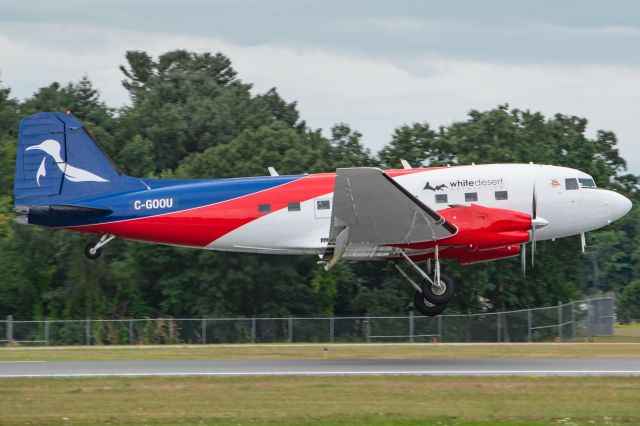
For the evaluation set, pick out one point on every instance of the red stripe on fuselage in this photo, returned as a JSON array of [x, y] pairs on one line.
[[201, 226]]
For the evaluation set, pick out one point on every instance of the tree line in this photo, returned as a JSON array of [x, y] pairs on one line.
[[192, 117]]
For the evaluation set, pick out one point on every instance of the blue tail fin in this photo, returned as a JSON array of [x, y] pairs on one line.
[[59, 162]]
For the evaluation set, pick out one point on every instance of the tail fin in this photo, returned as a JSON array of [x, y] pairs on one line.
[[58, 162]]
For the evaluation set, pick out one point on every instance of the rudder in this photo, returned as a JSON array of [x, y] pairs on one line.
[[57, 160]]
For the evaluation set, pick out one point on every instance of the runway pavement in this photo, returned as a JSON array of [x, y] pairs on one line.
[[477, 367]]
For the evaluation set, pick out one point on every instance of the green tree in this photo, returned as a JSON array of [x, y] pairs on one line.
[[192, 117], [415, 143], [629, 301]]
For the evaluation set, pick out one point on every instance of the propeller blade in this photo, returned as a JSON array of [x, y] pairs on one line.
[[533, 246], [534, 216], [583, 242], [523, 259], [534, 207]]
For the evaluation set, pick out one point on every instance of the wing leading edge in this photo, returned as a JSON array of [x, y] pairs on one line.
[[370, 210]]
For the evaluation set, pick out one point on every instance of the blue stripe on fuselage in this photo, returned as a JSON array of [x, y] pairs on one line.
[[167, 196]]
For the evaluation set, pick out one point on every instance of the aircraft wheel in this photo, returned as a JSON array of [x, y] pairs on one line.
[[90, 253], [425, 307], [439, 295]]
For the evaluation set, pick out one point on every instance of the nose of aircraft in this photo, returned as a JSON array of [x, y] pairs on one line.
[[620, 205]]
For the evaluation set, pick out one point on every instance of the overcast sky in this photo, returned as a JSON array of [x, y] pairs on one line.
[[370, 64]]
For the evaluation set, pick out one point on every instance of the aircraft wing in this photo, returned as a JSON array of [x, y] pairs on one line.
[[370, 209]]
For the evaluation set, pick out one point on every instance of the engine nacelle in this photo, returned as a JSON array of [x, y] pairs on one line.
[[480, 228]]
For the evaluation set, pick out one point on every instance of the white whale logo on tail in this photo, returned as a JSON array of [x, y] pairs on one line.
[[74, 174]]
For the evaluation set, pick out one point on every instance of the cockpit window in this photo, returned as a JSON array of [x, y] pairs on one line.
[[571, 183], [586, 183]]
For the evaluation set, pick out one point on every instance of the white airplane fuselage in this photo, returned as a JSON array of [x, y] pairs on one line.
[[568, 210]]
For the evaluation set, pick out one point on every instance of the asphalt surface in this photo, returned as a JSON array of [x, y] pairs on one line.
[[471, 367]]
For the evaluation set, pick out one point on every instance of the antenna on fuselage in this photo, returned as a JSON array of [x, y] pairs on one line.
[[272, 171], [405, 164]]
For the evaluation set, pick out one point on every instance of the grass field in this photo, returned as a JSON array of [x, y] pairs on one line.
[[338, 351], [322, 401], [624, 333]]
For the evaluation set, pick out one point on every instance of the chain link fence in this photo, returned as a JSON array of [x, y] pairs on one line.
[[565, 322]]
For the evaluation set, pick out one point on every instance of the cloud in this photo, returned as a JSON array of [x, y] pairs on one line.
[[373, 94]]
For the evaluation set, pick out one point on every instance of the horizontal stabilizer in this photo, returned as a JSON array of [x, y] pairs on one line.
[[60, 215]]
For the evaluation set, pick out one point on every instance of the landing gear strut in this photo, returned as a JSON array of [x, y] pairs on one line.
[[93, 251], [432, 296]]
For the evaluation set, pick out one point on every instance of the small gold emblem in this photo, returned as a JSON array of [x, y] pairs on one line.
[[555, 183]]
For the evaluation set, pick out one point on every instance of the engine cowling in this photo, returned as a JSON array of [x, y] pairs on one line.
[[481, 228]]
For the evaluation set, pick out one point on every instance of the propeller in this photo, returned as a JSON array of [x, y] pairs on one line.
[[534, 216], [536, 222]]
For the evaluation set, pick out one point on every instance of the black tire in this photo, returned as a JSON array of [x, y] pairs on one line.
[[425, 307], [92, 256], [436, 296]]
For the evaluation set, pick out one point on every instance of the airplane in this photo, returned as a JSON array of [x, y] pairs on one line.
[[407, 216]]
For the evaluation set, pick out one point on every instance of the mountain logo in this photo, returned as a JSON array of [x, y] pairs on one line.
[[71, 173], [437, 187]]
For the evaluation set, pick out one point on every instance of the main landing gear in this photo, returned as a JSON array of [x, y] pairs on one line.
[[93, 251], [434, 292]]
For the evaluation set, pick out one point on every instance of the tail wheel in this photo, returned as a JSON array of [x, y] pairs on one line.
[[92, 253], [441, 294], [425, 307]]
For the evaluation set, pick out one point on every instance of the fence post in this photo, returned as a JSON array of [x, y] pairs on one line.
[[368, 329], [498, 328], [253, 329], [170, 331], [439, 331], [290, 327], [9, 328], [612, 316], [411, 326], [130, 331], [204, 331], [573, 320], [87, 331], [46, 332], [529, 325], [589, 319], [331, 330], [560, 321]]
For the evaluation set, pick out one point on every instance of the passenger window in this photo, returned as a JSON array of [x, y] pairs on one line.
[[323, 204], [470, 196], [442, 198], [586, 183], [294, 207], [264, 208], [571, 183], [502, 195]]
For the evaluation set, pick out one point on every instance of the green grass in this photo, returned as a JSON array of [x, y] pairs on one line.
[[324, 401], [337, 351]]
